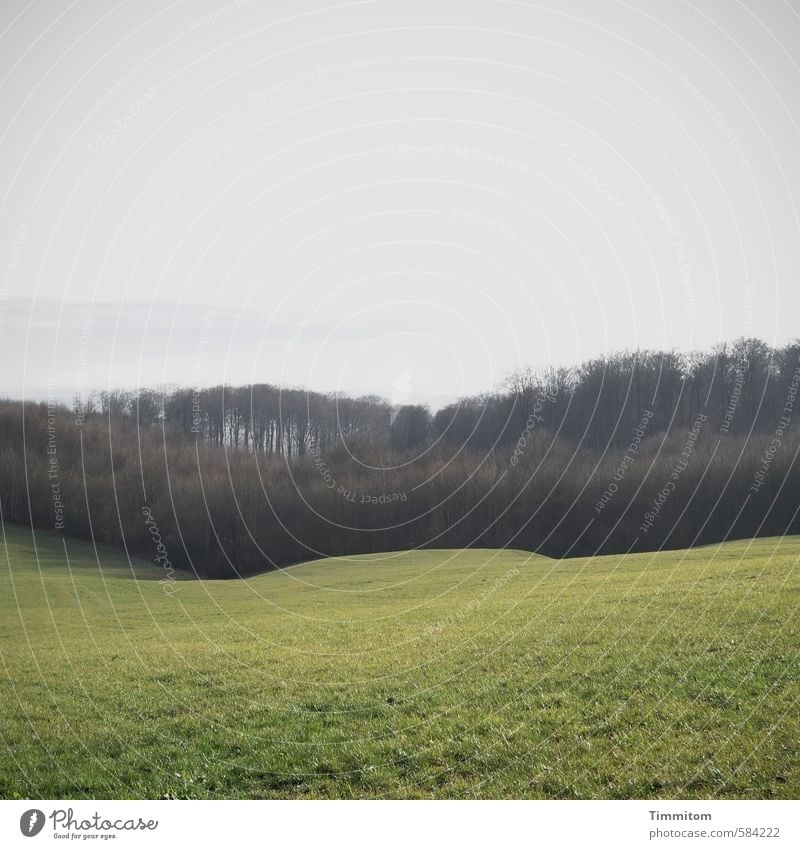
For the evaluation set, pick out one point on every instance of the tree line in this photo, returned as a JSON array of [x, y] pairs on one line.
[[632, 451]]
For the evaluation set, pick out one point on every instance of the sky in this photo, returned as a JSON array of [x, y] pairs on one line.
[[360, 196]]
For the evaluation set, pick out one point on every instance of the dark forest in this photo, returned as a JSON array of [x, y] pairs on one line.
[[630, 452]]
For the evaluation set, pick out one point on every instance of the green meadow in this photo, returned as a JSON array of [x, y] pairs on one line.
[[437, 673]]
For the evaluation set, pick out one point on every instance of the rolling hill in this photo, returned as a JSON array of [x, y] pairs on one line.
[[437, 673]]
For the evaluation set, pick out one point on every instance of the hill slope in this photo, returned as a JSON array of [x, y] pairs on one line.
[[434, 673]]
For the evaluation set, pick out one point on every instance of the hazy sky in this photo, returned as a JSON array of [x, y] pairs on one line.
[[358, 194]]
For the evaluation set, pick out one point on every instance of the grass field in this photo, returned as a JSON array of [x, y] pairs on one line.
[[422, 674]]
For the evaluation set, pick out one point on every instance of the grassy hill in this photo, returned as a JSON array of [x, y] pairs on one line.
[[434, 673]]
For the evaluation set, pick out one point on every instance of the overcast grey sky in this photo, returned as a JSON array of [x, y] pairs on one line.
[[354, 194]]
